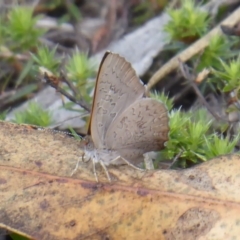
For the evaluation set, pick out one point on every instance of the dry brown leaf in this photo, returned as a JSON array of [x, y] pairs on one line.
[[39, 199]]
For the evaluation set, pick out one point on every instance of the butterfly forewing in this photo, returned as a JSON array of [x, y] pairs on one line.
[[117, 88]]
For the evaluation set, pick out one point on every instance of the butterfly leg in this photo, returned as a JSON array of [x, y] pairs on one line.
[[94, 170], [106, 171], [128, 163], [77, 166]]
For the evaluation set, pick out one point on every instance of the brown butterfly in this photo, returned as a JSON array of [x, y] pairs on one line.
[[124, 123]]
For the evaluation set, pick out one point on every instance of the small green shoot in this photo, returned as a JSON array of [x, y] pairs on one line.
[[187, 22], [34, 115], [191, 137], [47, 58], [21, 28], [186, 136], [163, 98], [218, 47], [18, 35], [79, 69], [218, 145], [25, 73], [23, 92], [230, 75], [73, 132], [3, 115]]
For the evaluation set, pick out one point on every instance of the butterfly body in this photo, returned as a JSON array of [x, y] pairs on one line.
[[100, 155]]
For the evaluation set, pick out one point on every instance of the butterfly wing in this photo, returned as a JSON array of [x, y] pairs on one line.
[[141, 128], [117, 87]]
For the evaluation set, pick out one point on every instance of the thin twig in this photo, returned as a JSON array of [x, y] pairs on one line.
[[191, 81], [70, 118], [69, 83], [175, 159], [53, 84]]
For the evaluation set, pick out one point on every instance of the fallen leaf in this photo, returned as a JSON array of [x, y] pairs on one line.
[[39, 199]]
